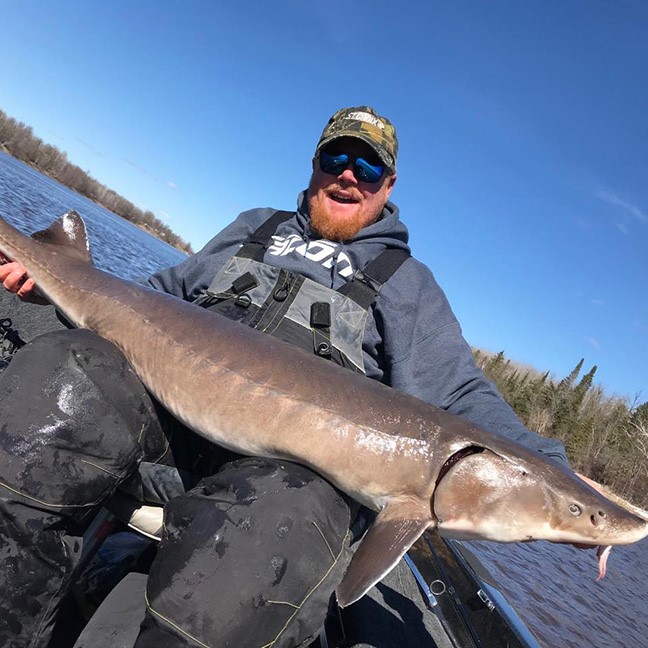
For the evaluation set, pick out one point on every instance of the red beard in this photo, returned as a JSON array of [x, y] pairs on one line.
[[331, 228]]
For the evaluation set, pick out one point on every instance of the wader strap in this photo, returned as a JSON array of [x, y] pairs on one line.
[[366, 283], [257, 243], [237, 291], [320, 321]]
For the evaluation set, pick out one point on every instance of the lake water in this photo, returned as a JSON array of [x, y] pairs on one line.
[[552, 587], [31, 201]]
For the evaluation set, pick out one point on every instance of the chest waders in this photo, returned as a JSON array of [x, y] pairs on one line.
[[330, 323], [293, 308]]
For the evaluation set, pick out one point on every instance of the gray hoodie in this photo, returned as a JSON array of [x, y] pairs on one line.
[[412, 340]]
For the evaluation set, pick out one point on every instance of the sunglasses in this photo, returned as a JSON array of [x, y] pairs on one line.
[[335, 164]]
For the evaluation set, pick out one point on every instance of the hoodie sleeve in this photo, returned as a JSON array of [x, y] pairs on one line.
[[426, 355], [188, 279]]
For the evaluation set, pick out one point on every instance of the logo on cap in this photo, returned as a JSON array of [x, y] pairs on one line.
[[366, 117]]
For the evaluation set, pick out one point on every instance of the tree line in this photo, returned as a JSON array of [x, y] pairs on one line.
[[19, 140], [605, 437]]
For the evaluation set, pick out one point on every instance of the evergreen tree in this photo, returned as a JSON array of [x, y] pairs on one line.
[[565, 405], [583, 386], [568, 381], [495, 364], [640, 415]]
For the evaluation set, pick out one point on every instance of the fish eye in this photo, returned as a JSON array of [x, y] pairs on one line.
[[575, 510]]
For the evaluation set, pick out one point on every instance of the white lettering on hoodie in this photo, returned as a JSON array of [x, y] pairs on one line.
[[321, 251]]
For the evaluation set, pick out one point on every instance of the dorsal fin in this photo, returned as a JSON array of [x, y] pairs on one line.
[[68, 231]]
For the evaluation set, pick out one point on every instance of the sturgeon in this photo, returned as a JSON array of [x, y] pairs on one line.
[[419, 466]]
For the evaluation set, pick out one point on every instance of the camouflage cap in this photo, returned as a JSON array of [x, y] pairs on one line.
[[366, 124]]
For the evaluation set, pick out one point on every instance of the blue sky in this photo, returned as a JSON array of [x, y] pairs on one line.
[[523, 139]]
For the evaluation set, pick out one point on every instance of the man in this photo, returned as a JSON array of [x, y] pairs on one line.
[[250, 554]]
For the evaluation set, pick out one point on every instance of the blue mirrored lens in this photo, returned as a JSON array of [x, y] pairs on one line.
[[363, 170], [367, 172], [333, 164]]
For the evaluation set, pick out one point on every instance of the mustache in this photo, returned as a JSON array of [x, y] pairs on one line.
[[352, 192]]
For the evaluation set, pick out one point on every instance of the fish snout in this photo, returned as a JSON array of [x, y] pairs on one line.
[[598, 518], [607, 523], [593, 516]]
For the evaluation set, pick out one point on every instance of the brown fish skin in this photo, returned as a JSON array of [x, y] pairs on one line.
[[257, 395]]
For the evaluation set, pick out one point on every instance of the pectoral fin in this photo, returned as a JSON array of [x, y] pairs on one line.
[[393, 532]]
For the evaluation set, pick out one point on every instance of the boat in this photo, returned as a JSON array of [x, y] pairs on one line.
[[439, 596]]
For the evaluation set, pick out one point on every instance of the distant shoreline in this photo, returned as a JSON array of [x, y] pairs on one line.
[[143, 226], [19, 141]]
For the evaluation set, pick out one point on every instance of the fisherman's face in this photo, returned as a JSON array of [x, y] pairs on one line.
[[341, 205]]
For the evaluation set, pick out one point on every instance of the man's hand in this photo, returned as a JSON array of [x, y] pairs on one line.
[[13, 276], [592, 483]]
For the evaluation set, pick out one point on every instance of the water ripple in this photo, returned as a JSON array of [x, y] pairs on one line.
[[31, 201], [554, 590]]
